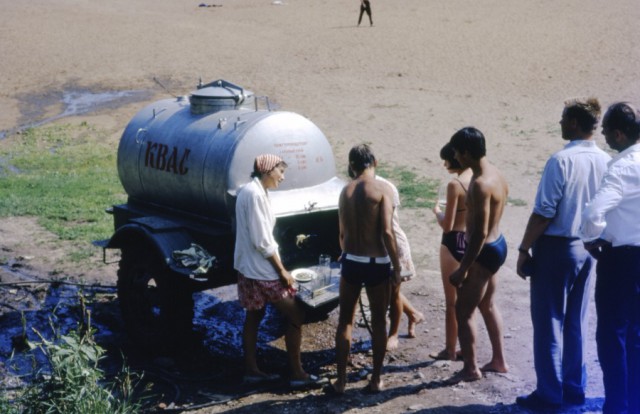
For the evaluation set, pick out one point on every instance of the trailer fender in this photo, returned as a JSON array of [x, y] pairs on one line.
[[165, 241]]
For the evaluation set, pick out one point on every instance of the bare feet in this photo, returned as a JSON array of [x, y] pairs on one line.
[[336, 388], [414, 320], [463, 376], [501, 368], [392, 343], [444, 355], [376, 387]]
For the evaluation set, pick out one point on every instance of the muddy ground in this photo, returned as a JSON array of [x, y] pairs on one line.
[[204, 376]]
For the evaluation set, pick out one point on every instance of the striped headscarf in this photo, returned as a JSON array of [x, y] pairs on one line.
[[266, 162]]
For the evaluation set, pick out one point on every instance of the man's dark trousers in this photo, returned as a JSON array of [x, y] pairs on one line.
[[618, 331]]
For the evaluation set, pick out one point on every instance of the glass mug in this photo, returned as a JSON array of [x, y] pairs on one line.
[[442, 196], [324, 268]]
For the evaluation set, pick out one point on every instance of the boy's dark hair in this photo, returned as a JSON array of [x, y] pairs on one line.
[[470, 140], [623, 117], [361, 157], [448, 154]]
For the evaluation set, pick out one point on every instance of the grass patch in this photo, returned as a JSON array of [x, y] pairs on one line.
[[66, 175], [414, 192]]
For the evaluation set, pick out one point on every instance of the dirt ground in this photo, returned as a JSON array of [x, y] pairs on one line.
[[424, 70]]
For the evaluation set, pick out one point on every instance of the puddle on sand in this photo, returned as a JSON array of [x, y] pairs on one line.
[[74, 102], [78, 102]]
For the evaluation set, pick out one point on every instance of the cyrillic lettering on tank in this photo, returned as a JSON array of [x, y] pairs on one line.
[[156, 157], [162, 156], [149, 159], [172, 162], [185, 157]]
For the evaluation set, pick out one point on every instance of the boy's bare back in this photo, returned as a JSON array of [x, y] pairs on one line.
[[365, 205], [486, 199]]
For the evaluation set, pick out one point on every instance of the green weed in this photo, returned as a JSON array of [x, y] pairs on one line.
[[6, 407], [72, 382]]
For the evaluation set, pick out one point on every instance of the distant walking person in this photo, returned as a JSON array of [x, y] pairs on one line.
[[560, 267], [369, 249], [365, 6], [485, 253], [611, 231], [452, 246]]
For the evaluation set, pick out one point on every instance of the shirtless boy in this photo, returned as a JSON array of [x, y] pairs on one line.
[[369, 249], [486, 251]]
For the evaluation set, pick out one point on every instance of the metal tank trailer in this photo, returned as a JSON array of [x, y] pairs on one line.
[[181, 162]]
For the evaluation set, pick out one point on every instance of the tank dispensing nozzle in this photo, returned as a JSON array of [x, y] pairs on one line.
[[302, 240]]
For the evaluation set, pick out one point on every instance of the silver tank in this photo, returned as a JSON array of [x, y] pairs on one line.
[[193, 154]]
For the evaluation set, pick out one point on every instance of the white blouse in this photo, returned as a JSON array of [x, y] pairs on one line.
[[255, 243]]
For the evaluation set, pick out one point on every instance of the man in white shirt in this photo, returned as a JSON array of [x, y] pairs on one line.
[[560, 267], [262, 278], [611, 232]]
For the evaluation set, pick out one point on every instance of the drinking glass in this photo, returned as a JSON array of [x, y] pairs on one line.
[[442, 196], [324, 267]]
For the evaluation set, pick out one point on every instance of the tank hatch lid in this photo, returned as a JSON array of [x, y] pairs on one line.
[[216, 96]]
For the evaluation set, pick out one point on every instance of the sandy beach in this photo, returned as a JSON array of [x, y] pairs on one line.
[[404, 85]]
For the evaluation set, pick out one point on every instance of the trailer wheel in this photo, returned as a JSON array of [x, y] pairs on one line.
[[157, 312]]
